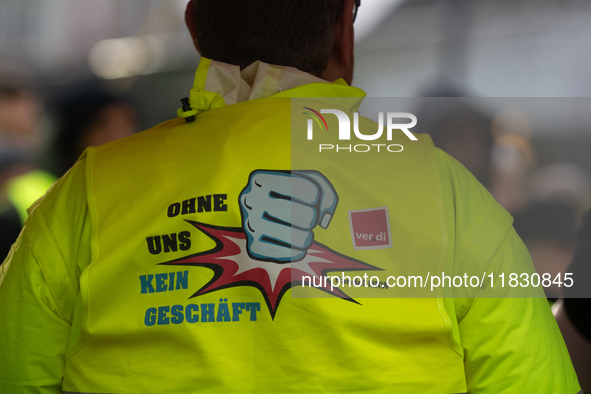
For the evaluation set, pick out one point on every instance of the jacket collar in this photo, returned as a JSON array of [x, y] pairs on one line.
[[219, 84]]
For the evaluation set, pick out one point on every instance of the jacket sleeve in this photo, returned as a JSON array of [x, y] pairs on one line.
[[39, 286], [510, 339], [513, 345]]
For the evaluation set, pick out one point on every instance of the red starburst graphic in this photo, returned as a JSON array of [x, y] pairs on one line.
[[233, 267]]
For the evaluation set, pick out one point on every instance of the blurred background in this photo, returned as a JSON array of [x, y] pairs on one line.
[[75, 73]]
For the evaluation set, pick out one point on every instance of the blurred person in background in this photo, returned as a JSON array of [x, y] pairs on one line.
[[88, 117], [11, 165], [557, 194], [459, 129], [513, 158], [20, 115], [21, 136], [573, 312], [465, 134]]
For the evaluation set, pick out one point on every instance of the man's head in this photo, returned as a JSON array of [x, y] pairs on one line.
[[315, 36]]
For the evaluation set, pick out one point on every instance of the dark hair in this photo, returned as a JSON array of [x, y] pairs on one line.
[[296, 33]]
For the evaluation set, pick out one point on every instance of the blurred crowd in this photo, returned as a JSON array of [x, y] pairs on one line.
[[39, 142]]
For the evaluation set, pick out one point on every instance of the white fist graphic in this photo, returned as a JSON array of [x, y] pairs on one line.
[[281, 208]]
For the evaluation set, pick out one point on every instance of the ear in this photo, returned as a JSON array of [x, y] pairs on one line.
[[340, 64], [344, 34], [190, 24]]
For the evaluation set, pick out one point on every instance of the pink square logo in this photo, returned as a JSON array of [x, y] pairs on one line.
[[370, 228]]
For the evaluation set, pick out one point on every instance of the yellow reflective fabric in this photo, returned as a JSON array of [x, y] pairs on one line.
[[229, 337], [134, 267], [201, 99]]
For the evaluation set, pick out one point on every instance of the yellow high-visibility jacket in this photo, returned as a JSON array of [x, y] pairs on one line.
[[132, 274]]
